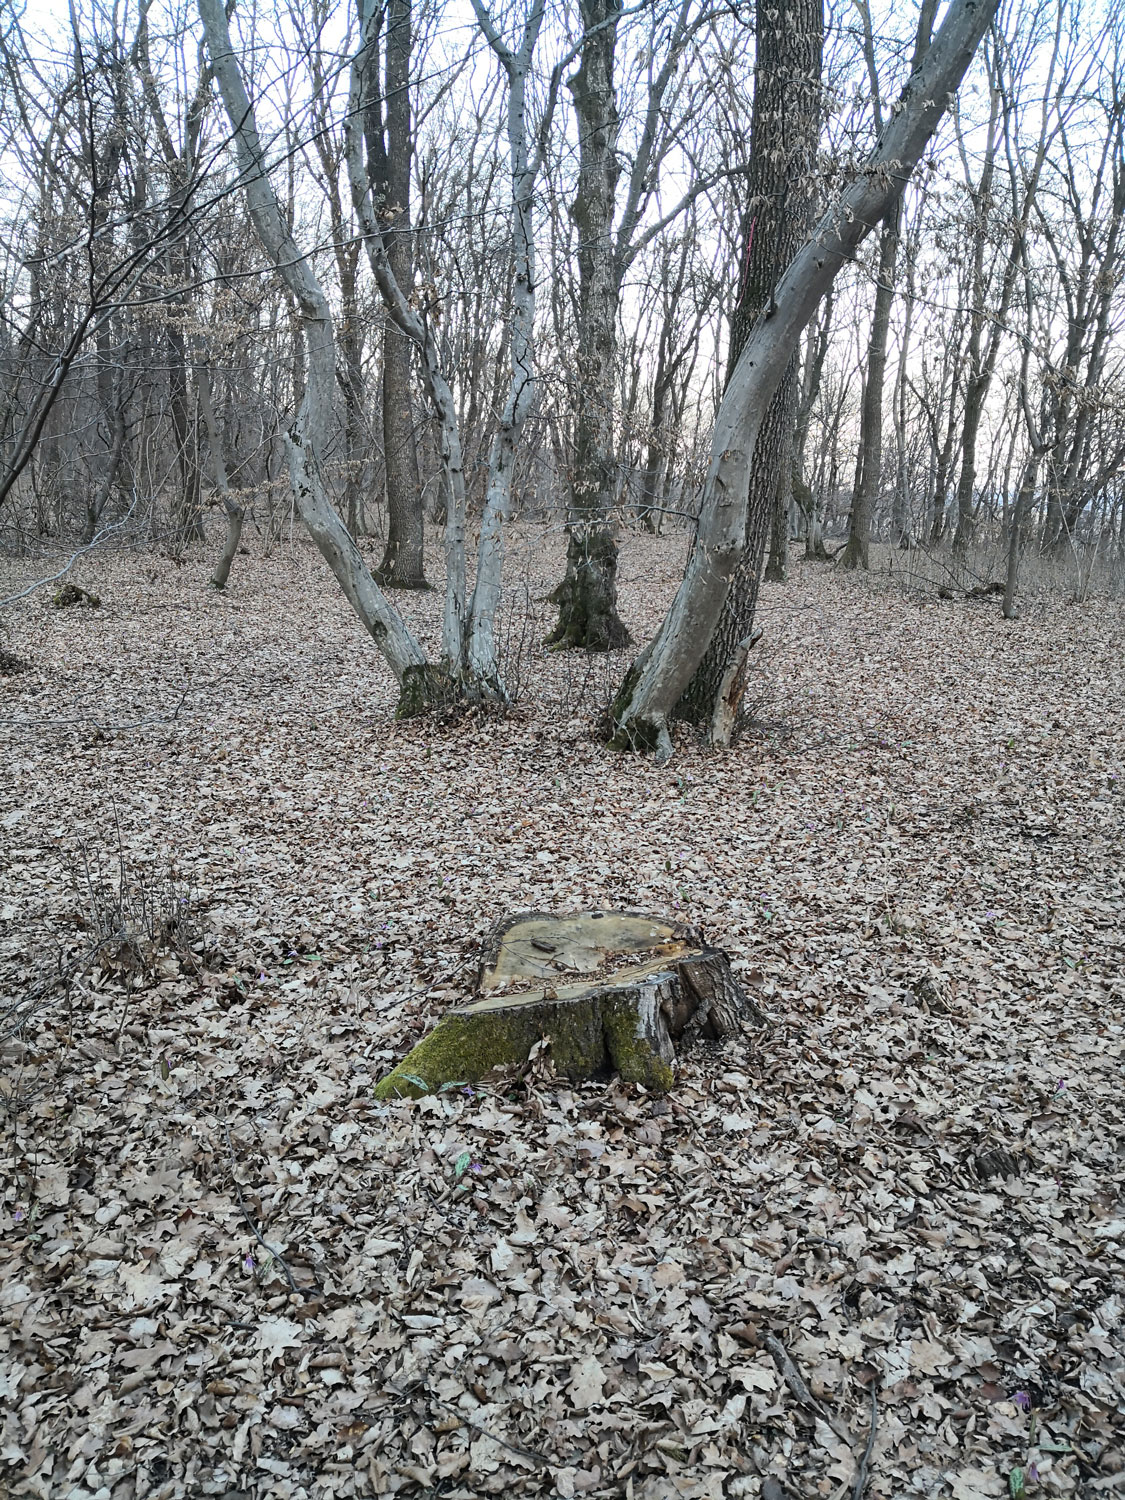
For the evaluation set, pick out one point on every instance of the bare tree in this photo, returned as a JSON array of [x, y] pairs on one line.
[[524, 168], [387, 130], [607, 246], [305, 439], [869, 462], [784, 130], [657, 681]]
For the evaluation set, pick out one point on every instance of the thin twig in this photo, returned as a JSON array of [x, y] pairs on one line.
[[470, 1421], [246, 1214], [861, 1473], [794, 1380]]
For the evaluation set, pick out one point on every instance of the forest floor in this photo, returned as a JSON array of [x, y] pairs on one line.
[[226, 1270]]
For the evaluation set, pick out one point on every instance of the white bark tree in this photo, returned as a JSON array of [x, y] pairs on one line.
[[306, 437], [483, 661], [469, 656]]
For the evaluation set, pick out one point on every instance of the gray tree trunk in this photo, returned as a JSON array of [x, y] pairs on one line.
[[657, 680], [587, 596], [362, 137], [483, 661], [232, 509], [1020, 512], [869, 470], [785, 126], [403, 563]]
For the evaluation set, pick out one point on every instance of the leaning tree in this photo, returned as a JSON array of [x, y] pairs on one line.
[[657, 680]]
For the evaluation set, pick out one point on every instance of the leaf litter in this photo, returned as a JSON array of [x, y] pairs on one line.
[[227, 1271]]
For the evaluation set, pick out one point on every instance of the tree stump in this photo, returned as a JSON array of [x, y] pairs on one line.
[[70, 594], [609, 991]]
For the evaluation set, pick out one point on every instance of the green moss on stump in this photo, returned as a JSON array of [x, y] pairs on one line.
[[590, 1037], [70, 594], [628, 1021], [633, 1057]]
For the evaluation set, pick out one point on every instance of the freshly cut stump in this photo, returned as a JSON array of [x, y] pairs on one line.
[[610, 991]]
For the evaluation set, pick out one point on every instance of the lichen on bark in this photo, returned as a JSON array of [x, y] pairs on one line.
[[421, 689]]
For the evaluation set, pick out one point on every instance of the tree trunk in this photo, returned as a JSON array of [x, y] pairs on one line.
[[98, 498], [403, 563], [351, 349], [483, 659], [650, 511], [234, 512], [810, 508], [186, 510], [364, 126], [1020, 513], [966, 480], [587, 596], [704, 704], [777, 567], [783, 137], [657, 680], [869, 472], [815, 548]]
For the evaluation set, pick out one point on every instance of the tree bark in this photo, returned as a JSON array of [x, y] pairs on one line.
[[807, 503], [869, 465], [403, 562], [587, 596], [785, 127], [657, 680], [234, 512], [363, 127], [857, 553], [777, 565], [483, 660]]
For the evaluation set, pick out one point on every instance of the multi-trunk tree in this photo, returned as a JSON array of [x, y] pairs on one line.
[[469, 663]]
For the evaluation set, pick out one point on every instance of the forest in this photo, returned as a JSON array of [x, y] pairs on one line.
[[562, 602]]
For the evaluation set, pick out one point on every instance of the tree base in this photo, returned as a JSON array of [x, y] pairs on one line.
[[587, 597], [388, 580], [854, 556], [401, 567], [621, 1017], [422, 689]]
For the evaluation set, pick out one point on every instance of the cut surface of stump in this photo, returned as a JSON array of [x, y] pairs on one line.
[[609, 991]]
